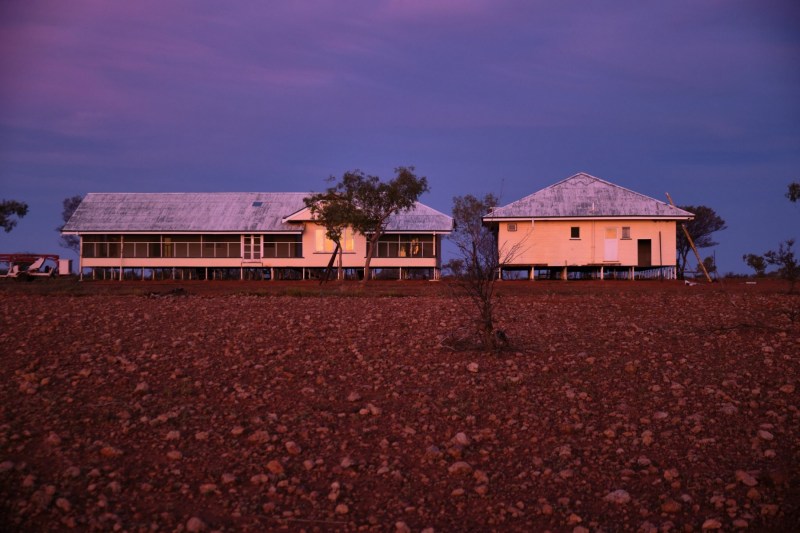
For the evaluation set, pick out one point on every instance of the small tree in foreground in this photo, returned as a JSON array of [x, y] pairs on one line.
[[366, 204], [10, 213], [477, 269]]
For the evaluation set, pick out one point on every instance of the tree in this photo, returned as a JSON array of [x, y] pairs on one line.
[[794, 192], [786, 262], [10, 213], [366, 204], [333, 212], [706, 222], [756, 262], [477, 269], [70, 242]]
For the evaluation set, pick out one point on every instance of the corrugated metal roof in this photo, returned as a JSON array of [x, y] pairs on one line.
[[583, 195], [214, 212]]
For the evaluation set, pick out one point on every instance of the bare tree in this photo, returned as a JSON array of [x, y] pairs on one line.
[[477, 269], [10, 213], [70, 242]]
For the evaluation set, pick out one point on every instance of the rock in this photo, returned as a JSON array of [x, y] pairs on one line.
[[763, 434], [207, 488], [173, 435], [788, 388], [472, 367], [53, 439], [201, 435], [741, 524], [195, 525], [292, 447], [459, 467], [236, 431], [711, 524], [142, 387], [227, 479], [5, 466], [174, 455], [275, 467], [461, 439], [670, 506], [671, 474], [110, 451], [259, 437], [401, 527], [457, 492], [619, 497], [746, 479], [342, 509], [574, 519], [353, 397], [63, 504]]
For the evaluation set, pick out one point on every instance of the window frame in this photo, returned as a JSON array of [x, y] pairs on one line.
[[574, 233]]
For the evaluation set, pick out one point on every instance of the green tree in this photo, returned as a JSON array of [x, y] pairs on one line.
[[10, 213], [365, 203], [70, 242], [705, 222], [794, 192], [756, 262]]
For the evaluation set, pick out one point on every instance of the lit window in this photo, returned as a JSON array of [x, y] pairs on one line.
[[575, 232], [324, 244]]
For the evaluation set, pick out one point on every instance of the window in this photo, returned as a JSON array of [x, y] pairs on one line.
[[258, 204], [626, 232], [575, 232], [324, 244], [512, 226]]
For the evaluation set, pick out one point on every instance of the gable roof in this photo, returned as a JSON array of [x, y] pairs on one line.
[[215, 212], [419, 218], [583, 195]]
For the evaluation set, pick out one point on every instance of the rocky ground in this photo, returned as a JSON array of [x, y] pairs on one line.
[[618, 406]]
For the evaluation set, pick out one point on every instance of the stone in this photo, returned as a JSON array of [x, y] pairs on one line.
[[711, 524], [207, 488], [746, 479], [459, 467], [227, 478], [173, 435], [763, 434], [174, 455], [670, 506], [473, 367], [619, 497], [401, 527], [353, 397], [342, 508], [63, 504], [461, 439], [275, 467], [5, 466], [292, 447], [195, 525]]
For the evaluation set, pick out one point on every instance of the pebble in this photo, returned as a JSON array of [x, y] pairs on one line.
[[207, 488], [201, 435], [763, 434], [353, 397], [195, 525], [173, 435], [670, 506], [5, 466], [275, 467], [619, 496], [473, 367], [342, 508], [174, 455], [227, 479], [461, 439], [401, 527], [711, 523], [746, 479], [292, 447], [460, 467], [574, 519], [63, 504]]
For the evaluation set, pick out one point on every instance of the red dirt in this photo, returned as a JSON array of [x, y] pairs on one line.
[[618, 406]]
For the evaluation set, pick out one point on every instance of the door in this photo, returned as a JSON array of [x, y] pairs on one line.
[[252, 247], [645, 252], [611, 252]]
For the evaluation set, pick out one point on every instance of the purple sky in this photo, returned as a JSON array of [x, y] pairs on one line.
[[698, 99]]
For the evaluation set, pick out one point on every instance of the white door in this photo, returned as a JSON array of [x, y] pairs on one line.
[[611, 245]]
